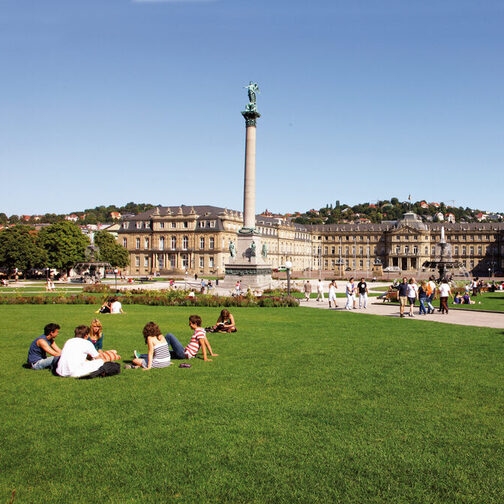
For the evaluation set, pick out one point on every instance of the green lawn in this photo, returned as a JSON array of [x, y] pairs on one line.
[[301, 406]]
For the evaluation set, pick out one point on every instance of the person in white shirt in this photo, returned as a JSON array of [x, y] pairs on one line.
[[79, 357], [444, 293], [349, 290], [332, 293], [115, 306], [412, 293], [320, 290]]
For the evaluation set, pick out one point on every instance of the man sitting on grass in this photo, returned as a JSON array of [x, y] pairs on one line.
[[43, 345], [198, 340], [79, 358]]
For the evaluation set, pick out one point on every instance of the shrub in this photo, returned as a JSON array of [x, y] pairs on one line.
[[97, 289]]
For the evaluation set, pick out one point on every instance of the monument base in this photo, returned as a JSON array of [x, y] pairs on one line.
[[248, 265]]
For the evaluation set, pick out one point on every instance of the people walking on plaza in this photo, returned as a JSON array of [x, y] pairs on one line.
[[363, 293], [349, 291], [403, 295], [422, 297], [332, 293], [431, 292], [412, 295], [320, 290], [307, 290], [444, 294]]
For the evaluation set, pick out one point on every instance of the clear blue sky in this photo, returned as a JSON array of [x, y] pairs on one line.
[[110, 101]]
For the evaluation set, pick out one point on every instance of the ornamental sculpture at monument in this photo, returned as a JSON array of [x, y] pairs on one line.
[[244, 264]]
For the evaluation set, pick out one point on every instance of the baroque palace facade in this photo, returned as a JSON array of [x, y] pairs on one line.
[[196, 239]]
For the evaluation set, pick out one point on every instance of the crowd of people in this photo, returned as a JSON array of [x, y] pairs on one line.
[[83, 356]]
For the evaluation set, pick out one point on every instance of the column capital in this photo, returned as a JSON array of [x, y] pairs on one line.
[[250, 117]]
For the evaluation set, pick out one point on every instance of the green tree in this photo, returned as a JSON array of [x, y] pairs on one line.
[[18, 249], [110, 251], [64, 244], [3, 219]]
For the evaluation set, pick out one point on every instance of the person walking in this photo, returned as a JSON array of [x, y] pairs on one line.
[[444, 294], [363, 293], [403, 296], [320, 290], [349, 291], [332, 293], [412, 293], [431, 292], [422, 297], [307, 290]]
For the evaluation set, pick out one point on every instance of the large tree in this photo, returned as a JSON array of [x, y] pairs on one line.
[[110, 251], [64, 244], [19, 249]]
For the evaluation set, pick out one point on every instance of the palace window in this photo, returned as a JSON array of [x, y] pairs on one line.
[[137, 261], [456, 251], [212, 224], [202, 243], [464, 251], [161, 261], [471, 250], [185, 261], [211, 243], [479, 250], [173, 261], [211, 262], [415, 250], [398, 249], [125, 242], [161, 243], [186, 224], [139, 225], [185, 242], [146, 243], [161, 225], [173, 242], [173, 224], [201, 262], [137, 243], [146, 261]]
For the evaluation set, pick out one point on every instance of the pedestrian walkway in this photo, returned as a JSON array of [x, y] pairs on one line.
[[458, 317]]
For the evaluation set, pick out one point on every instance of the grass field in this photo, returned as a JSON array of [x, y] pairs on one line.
[[301, 406]]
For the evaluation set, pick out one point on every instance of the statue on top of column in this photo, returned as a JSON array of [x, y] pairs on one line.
[[252, 88]]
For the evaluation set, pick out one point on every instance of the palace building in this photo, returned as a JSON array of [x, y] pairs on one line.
[[196, 239]]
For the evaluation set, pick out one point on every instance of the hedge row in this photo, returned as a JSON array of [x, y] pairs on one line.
[[157, 298]]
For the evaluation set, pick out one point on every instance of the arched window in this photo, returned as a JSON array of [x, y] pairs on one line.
[[185, 242], [173, 242]]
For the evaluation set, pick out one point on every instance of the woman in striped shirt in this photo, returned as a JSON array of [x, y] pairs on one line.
[[158, 355]]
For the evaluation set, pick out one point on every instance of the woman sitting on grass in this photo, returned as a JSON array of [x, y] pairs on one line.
[[158, 355], [225, 323], [96, 336]]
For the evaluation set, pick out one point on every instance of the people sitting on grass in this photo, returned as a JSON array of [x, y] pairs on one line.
[[115, 306], [225, 323], [105, 307], [466, 299], [43, 345], [198, 340], [96, 335], [458, 299], [158, 355], [80, 359]]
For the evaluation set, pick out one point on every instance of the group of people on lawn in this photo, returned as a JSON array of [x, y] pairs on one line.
[[83, 356]]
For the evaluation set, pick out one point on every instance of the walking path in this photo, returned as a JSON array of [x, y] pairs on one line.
[[460, 317]]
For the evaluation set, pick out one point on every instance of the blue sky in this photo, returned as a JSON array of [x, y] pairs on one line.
[[111, 101]]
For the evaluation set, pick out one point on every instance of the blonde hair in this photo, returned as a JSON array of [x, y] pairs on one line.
[[96, 323]]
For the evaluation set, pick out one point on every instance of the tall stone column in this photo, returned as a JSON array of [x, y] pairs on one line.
[[250, 170], [247, 259]]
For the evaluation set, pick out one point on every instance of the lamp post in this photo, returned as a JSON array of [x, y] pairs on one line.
[[115, 274], [288, 265]]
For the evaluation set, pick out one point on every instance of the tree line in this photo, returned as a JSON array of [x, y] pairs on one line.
[[58, 246]]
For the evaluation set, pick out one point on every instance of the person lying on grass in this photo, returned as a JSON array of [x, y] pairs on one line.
[[198, 340], [225, 323], [43, 345], [158, 355]]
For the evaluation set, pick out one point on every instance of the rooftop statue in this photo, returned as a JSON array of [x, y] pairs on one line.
[[252, 88]]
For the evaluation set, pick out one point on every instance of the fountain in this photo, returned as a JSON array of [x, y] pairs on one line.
[[91, 270], [444, 262]]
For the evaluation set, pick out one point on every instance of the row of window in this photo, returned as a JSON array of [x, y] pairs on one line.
[[173, 243], [173, 261]]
